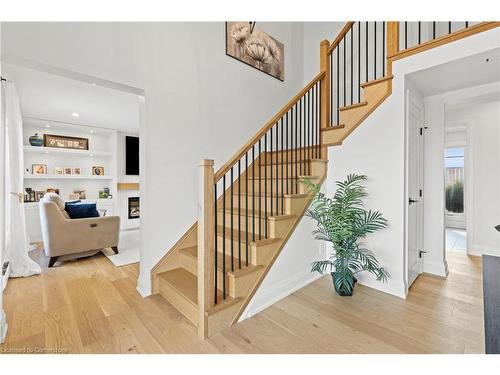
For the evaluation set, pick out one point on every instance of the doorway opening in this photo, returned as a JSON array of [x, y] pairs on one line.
[[455, 215]]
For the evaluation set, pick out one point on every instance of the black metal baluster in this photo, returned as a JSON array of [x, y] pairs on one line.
[[383, 49], [309, 149], [338, 83], [433, 30], [352, 57], [366, 50], [406, 35], [246, 208], [331, 89], [466, 24], [282, 155], [272, 156], [287, 155], [277, 166], [296, 143], [253, 193], [223, 237], [375, 51], [359, 62], [449, 27], [215, 243], [419, 32], [239, 213], [265, 185], [300, 139], [232, 227], [260, 195], [306, 132], [344, 71]]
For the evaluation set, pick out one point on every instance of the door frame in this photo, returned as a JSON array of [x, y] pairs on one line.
[[462, 125], [410, 94]]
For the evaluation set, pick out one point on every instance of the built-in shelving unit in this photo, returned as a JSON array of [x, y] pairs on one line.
[[102, 152]]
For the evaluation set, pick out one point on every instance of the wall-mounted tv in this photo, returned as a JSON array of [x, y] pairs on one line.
[[131, 155]]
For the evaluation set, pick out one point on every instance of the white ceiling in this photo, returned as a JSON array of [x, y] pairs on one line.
[[459, 74], [51, 97]]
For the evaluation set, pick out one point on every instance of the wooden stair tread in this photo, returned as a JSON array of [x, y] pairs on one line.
[[262, 194], [227, 234], [279, 178], [193, 252], [186, 284], [333, 127], [251, 212], [351, 106], [375, 81]]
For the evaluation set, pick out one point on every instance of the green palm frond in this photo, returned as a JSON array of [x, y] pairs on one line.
[[343, 221]]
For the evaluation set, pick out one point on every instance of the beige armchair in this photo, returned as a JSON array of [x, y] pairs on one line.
[[63, 236]]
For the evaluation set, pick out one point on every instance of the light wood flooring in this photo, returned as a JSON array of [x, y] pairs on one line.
[[91, 306]]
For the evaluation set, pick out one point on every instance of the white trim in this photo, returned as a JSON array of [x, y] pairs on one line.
[[278, 291], [436, 268], [396, 288]]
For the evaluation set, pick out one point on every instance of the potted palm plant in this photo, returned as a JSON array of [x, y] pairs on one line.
[[343, 221]]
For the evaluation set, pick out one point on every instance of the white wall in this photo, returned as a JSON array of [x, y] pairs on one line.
[[377, 149], [199, 103], [484, 123], [3, 323], [478, 109]]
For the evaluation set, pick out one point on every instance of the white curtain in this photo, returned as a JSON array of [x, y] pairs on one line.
[[16, 237]]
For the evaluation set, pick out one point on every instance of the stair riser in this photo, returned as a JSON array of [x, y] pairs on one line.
[[180, 302], [191, 264], [235, 247], [294, 169], [242, 285], [297, 154], [275, 185], [253, 223], [253, 202]]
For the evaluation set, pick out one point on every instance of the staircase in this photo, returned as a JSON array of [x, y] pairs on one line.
[[250, 207]]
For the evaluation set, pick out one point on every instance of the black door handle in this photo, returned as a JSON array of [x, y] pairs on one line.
[[410, 201]]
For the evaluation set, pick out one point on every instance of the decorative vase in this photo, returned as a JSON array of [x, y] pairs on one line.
[[36, 140], [345, 290]]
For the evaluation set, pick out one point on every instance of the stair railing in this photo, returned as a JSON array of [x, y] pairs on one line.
[[408, 38], [356, 56], [236, 201]]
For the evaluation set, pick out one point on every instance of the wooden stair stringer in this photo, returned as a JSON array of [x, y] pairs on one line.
[[375, 93], [172, 259]]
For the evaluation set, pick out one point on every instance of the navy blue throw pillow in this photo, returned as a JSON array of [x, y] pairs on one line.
[[81, 210]]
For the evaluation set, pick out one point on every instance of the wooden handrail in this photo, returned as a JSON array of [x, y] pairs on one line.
[[439, 41], [242, 151], [343, 32]]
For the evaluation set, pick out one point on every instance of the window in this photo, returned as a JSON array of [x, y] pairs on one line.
[[454, 179]]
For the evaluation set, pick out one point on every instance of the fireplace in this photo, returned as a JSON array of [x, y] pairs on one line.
[[133, 208]]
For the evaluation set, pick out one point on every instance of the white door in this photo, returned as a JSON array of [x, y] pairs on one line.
[[415, 118]]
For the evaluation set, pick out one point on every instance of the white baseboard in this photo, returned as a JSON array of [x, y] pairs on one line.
[[144, 290], [479, 250], [3, 327], [394, 287], [436, 268], [277, 292]]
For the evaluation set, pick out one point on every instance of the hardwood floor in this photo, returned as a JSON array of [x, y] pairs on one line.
[[91, 306]]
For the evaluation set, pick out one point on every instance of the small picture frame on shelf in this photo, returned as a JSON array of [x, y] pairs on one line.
[[60, 141], [97, 171], [59, 170], [77, 171], [29, 195], [81, 193], [68, 171], [39, 168], [39, 195]]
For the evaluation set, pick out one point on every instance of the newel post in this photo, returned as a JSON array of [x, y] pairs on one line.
[[392, 43], [325, 91], [206, 273]]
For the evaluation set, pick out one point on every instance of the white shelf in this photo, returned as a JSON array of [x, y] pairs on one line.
[[66, 151], [65, 177]]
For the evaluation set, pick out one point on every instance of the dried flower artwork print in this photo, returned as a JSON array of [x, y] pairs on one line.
[[255, 48]]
